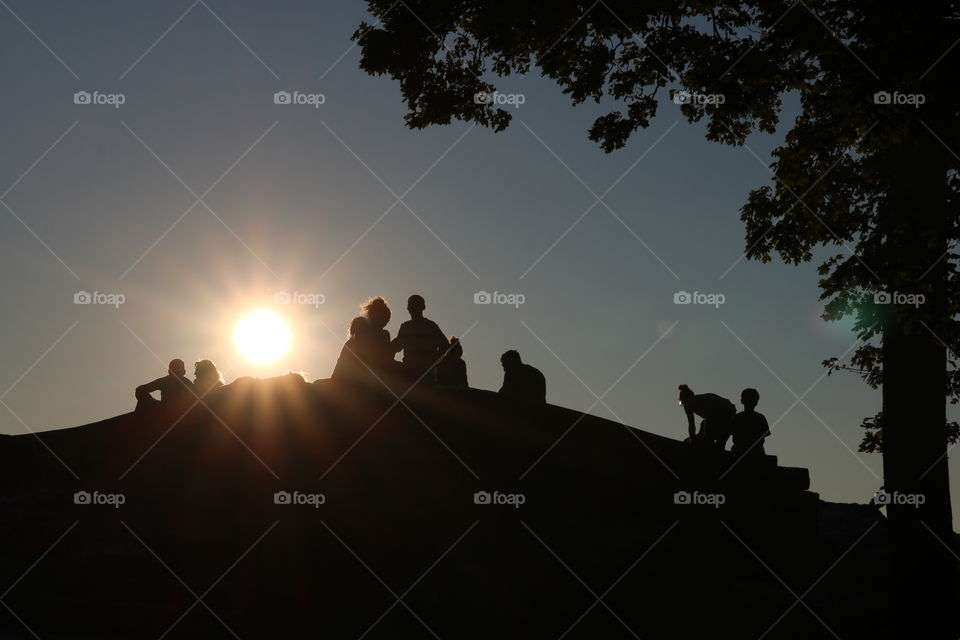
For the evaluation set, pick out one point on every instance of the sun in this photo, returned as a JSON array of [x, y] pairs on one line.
[[262, 336]]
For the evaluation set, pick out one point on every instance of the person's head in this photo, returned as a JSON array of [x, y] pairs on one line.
[[686, 394], [206, 370], [510, 359], [377, 312], [415, 305], [749, 398], [177, 367], [357, 325], [456, 349]]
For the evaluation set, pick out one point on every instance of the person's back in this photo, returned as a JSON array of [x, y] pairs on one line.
[[452, 370], [749, 428], [522, 382], [350, 366], [421, 340], [206, 377], [174, 388]]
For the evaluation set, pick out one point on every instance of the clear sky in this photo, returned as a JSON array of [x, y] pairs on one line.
[[303, 198]]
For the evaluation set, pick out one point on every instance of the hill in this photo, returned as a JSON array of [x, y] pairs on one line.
[[280, 508]]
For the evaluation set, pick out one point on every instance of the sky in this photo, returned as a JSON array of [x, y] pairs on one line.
[[184, 197]]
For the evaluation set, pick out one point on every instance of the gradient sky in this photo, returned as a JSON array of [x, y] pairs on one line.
[[299, 202]]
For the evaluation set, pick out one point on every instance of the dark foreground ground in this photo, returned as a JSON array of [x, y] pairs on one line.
[[400, 548]]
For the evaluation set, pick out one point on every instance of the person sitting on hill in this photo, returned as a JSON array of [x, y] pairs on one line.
[[174, 387], [422, 342], [522, 383], [452, 370], [350, 367], [205, 377], [748, 427], [374, 339], [715, 411]]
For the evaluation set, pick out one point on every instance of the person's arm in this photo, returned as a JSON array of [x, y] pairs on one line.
[[691, 424], [148, 388], [441, 339], [507, 386], [766, 427]]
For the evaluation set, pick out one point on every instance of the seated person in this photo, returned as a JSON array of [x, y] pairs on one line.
[[376, 349], [522, 383], [174, 387], [205, 377], [422, 342], [715, 411], [452, 370], [748, 427], [350, 367]]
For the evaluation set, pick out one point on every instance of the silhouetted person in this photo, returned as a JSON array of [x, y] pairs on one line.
[[174, 387], [205, 377], [374, 339], [422, 342], [716, 412], [522, 383], [350, 367], [748, 427], [452, 370]]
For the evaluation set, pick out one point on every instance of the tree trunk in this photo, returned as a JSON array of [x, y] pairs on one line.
[[916, 478]]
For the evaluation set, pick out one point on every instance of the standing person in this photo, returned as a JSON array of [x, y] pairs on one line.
[[522, 383], [174, 387], [749, 428], [422, 342], [452, 370], [205, 377], [716, 412]]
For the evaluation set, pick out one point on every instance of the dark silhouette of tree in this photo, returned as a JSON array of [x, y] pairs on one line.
[[866, 167]]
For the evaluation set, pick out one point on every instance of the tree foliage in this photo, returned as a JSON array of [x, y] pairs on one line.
[[874, 178]]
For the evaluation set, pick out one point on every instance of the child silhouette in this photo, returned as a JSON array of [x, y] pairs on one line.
[[748, 427]]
